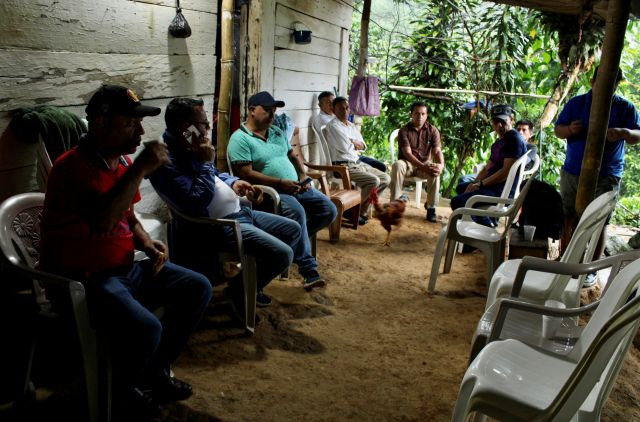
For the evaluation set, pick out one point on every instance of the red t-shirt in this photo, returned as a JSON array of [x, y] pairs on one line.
[[69, 244]]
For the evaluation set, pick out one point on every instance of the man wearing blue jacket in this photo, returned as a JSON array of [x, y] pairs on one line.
[[192, 184]]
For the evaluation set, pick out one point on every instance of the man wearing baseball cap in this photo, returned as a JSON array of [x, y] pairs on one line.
[[89, 232], [504, 152], [262, 155]]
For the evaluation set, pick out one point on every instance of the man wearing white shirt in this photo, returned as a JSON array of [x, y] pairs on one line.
[[325, 102], [344, 140]]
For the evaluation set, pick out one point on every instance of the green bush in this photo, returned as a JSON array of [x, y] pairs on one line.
[[627, 212]]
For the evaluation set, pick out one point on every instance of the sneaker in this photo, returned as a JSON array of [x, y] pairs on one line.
[[590, 280], [313, 280], [262, 300], [431, 215], [362, 220]]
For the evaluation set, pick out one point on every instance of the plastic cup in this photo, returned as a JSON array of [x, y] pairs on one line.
[[529, 231]]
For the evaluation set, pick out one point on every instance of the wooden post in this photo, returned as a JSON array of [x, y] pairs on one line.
[[226, 82], [615, 28]]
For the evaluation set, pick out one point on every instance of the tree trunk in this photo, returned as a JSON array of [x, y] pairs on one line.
[[364, 38], [560, 91], [617, 18], [226, 82]]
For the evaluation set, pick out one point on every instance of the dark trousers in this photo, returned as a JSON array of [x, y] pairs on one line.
[[141, 345]]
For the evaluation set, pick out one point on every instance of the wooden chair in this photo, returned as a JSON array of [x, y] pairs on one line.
[[345, 198]]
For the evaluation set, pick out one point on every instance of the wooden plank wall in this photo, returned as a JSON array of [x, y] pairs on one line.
[[302, 71], [59, 52]]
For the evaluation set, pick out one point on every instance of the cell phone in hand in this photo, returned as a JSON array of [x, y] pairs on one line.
[[305, 181], [192, 133]]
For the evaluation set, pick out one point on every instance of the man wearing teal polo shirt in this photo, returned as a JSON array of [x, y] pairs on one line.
[[261, 154]]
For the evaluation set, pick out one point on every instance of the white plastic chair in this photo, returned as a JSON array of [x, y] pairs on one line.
[[539, 288], [19, 242], [534, 167], [531, 328], [510, 380], [461, 228], [417, 180], [247, 262]]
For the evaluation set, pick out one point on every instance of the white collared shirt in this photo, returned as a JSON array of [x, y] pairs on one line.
[[340, 139]]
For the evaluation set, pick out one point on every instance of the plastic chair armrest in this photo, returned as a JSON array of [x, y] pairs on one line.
[[530, 263], [486, 199], [45, 277], [506, 305], [273, 194]]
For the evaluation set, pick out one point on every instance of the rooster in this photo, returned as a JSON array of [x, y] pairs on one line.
[[389, 214]]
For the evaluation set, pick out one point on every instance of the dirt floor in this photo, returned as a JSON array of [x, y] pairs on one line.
[[372, 346]]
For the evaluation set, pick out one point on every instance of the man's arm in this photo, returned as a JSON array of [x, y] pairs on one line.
[[155, 249], [254, 177], [566, 131], [108, 209], [500, 175], [632, 136]]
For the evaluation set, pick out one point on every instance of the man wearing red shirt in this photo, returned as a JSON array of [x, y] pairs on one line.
[[89, 231]]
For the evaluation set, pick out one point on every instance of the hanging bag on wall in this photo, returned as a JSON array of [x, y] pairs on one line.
[[364, 99], [179, 26]]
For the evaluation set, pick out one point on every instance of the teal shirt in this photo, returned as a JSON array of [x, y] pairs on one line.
[[269, 158]]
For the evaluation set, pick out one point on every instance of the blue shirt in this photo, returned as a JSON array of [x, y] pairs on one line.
[[511, 145], [623, 115], [188, 183]]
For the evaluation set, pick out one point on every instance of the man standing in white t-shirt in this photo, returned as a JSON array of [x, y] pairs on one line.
[[344, 140], [193, 184]]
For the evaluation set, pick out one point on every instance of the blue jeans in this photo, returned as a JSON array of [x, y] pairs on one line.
[[143, 346], [269, 238], [314, 211], [376, 164], [460, 200]]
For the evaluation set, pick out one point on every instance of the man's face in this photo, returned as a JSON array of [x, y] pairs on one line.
[[122, 134], [501, 126], [326, 104], [200, 121], [341, 110], [262, 116], [525, 131], [419, 116]]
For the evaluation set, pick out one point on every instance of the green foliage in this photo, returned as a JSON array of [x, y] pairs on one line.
[[482, 46], [626, 211]]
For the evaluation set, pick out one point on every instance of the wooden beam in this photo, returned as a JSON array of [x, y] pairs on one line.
[[226, 82], [605, 85]]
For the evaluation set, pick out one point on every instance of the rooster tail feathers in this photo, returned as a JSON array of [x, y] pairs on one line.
[[373, 196]]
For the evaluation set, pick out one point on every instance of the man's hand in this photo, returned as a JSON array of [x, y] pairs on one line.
[[359, 146], [307, 186], [289, 186], [153, 156], [575, 127], [434, 169], [157, 252], [241, 187], [203, 149], [471, 187], [614, 134]]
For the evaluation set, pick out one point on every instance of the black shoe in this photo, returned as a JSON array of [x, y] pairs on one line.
[[167, 389], [138, 405], [468, 249], [431, 215], [262, 300], [363, 220]]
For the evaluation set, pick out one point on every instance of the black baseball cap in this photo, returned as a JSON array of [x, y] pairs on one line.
[[264, 99], [501, 111], [118, 100]]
